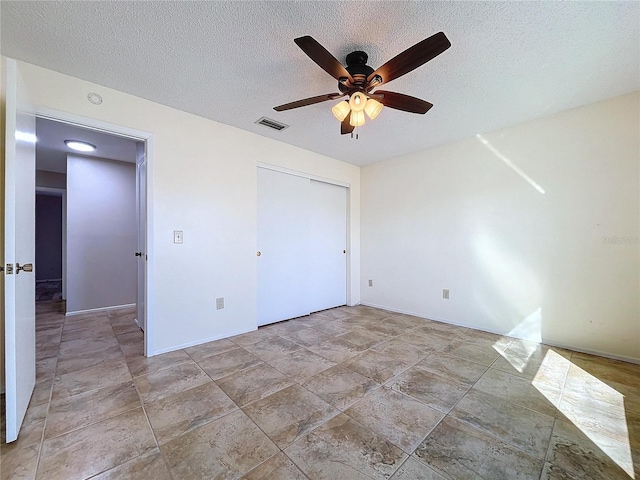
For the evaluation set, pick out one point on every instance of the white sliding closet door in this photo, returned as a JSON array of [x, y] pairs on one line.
[[283, 209], [302, 237], [327, 246]]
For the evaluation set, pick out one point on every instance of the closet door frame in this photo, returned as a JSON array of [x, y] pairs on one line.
[[331, 181]]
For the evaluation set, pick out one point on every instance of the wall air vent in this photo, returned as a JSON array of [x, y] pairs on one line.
[[267, 122]]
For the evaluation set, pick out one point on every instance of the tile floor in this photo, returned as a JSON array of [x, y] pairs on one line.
[[348, 393]]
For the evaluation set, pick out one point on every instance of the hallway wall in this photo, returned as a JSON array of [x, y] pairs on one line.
[[102, 233]]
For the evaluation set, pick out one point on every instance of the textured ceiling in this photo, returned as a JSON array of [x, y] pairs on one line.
[[233, 61], [51, 151]]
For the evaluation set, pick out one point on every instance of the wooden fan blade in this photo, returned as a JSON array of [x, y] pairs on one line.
[[323, 58], [412, 58], [406, 103], [345, 126], [308, 101]]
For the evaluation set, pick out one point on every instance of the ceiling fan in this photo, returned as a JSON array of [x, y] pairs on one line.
[[358, 80]]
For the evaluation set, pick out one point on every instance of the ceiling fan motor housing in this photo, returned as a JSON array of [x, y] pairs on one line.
[[358, 69]]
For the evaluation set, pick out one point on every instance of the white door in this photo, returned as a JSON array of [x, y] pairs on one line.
[[19, 250], [141, 212], [283, 206], [327, 246]]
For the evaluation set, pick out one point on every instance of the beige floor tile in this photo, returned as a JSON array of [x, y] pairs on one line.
[[428, 341], [607, 369], [80, 346], [18, 463], [588, 456], [182, 412], [337, 349], [592, 415], [337, 313], [473, 352], [90, 407], [85, 360], [287, 327], [124, 328], [403, 351], [453, 368], [363, 322], [406, 321], [379, 367], [581, 385], [528, 359], [96, 448], [461, 451], [46, 367], [278, 467], [250, 338], [446, 330], [41, 392], [344, 449], [163, 383], [301, 364], [518, 426], [149, 466], [307, 337], [272, 348], [112, 372], [364, 338], [433, 390], [32, 427], [413, 469], [526, 393], [289, 414], [340, 386], [253, 383], [331, 327], [141, 365], [228, 363], [102, 331], [223, 449], [403, 421], [200, 352]]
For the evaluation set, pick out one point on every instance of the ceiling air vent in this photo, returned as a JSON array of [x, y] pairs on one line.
[[267, 122]]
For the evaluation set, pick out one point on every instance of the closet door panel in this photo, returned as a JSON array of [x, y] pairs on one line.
[[283, 238], [327, 246]]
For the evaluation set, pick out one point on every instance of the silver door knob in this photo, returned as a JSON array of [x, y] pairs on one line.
[[27, 267]]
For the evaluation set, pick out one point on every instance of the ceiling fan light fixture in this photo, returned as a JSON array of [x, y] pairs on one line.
[[357, 118], [341, 110], [357, 102], [373, 108]]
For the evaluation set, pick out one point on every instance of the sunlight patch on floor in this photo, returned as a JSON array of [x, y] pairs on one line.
[[596, 408]]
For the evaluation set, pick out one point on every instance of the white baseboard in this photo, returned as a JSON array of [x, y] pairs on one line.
[[200, 342], [544, 341], [101, 309]]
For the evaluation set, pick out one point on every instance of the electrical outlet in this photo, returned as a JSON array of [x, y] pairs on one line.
[[445, 293], [371, 283], [219, 303]]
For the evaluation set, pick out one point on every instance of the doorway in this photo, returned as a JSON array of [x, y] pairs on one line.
[[103, 220]]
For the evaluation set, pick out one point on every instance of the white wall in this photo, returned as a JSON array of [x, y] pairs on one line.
[[472, 217], [102, 233], [203, 180]]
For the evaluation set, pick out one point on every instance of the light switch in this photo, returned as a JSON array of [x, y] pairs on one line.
[[177, 236]]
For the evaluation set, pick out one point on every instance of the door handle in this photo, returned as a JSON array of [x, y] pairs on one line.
[[27, 267], [138, 254]]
